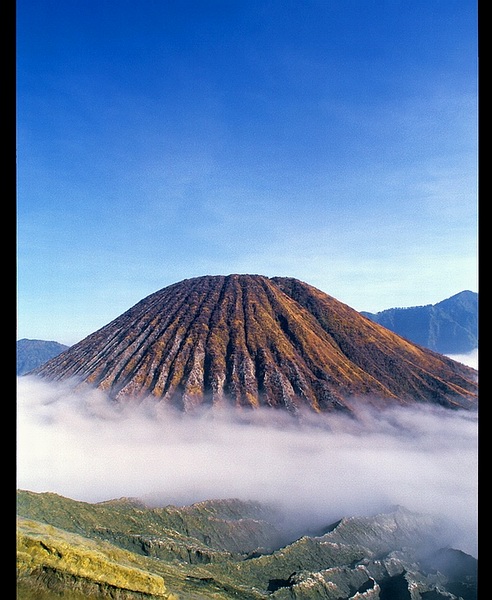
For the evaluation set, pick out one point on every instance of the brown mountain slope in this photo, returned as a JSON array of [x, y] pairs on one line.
[[247, 340]]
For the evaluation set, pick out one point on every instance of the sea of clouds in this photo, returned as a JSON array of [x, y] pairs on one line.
[[467, 358], [84, 446]]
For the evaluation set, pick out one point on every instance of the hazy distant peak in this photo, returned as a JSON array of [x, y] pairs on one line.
[[33, 353], [449, 326]]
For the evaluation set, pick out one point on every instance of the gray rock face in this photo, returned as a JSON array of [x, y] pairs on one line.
[[400, 560]]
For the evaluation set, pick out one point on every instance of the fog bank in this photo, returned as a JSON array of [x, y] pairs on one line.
[[468, 358], [83, 446]]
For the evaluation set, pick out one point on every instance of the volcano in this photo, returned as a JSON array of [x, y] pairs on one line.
[[253, 341]]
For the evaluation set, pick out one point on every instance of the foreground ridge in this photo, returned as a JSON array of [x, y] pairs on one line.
[[210, 550]]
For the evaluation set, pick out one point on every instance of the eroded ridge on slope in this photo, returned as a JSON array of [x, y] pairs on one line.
[[251, 341]]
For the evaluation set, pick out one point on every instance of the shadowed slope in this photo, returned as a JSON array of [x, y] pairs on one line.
[[247, 340]]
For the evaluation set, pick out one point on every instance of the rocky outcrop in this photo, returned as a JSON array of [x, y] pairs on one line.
[[205, 532], [52, 562], [393, 555]]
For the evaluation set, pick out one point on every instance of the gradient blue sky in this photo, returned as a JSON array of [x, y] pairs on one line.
[[332, 141]]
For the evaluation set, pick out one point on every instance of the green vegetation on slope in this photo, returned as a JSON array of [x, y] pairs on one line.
[[124, 550], [97, 567]]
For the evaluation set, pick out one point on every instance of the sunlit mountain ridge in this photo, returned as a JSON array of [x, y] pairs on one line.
[[253, 341]]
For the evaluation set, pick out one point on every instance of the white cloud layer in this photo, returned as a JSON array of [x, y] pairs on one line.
[[83, 446], [468, 358]]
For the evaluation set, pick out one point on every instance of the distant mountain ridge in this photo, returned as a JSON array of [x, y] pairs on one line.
[[33, 353], [251, 341], [448, 327]]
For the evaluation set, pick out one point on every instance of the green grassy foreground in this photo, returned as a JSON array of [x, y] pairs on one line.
[[227, 549]]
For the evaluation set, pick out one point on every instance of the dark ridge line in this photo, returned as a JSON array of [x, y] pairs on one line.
[[268, 302], [121, 378], [167, 354], [188, 324], [215, 319], [133, 351], [276, 309], [306, 301], [170, 324], [248, 324], [231, 387], [216, 323], [249, 310]]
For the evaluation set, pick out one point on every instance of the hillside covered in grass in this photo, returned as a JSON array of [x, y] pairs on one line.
[[224, 549]]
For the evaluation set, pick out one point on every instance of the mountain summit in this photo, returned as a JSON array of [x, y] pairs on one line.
[[251, 341]]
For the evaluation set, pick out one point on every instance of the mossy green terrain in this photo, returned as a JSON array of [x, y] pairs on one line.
[[53, 563], [201, 533], [97, 565], [223, 549]]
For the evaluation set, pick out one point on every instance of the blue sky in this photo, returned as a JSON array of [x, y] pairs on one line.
[[332, 141]]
